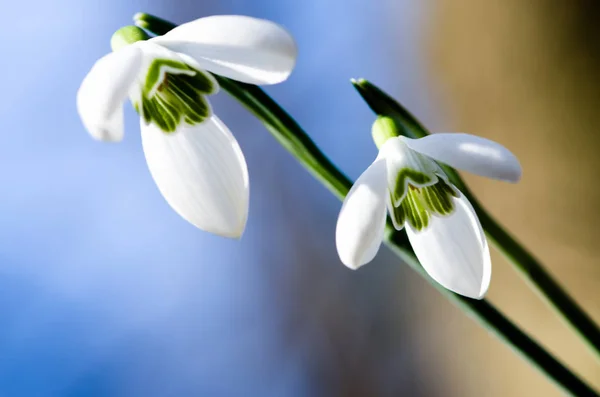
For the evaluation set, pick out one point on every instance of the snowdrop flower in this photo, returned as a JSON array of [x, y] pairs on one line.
[[194, 159], [406, 182]]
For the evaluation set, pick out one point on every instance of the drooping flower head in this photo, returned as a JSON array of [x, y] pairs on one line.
[[406, 181], [194, 159]]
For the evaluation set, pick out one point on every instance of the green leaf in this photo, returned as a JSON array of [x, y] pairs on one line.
[[384, 105]]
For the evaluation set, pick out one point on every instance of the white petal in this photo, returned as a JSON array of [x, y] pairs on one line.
[[471, 153], [246, 49], [102, 92], [454, 251], [399, 158], [361, 222], [202, 173]]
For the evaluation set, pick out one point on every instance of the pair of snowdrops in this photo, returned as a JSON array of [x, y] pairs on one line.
[[200, 169]]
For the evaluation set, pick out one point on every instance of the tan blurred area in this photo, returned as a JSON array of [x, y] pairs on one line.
[[527, 74]]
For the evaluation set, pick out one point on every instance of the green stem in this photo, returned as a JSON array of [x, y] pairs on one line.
[[545, 284], [492, 319], [289, 134], [284, 128], [530, 268]]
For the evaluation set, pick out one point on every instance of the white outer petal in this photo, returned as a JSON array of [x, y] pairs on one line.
[[361, 223], [454, 251], [471, 153], [102, 93], [202, 173], [246, 49]]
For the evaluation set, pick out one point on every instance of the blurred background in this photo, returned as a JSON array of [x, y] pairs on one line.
[[105, 291]]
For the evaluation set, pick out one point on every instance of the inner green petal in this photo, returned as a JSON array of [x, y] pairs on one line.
[[420, 203], [174, 93], [405, 177]]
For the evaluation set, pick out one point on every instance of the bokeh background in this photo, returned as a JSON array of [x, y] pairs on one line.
[[105, 291]]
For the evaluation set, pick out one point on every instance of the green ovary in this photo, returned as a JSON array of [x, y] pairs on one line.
[[420, 204], [178, 97]]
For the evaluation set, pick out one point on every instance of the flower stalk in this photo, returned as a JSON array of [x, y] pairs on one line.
[[291, 136]]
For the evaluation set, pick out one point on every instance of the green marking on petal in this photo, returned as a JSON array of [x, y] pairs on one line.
[[420, 203], [174, 93], [405, 176], [398, 214], [417, 215]]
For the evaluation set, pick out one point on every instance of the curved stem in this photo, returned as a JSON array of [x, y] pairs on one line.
[[529, 267], [285, 129]]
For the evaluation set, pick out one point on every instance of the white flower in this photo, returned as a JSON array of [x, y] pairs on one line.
[[193, 157], [441, 224]]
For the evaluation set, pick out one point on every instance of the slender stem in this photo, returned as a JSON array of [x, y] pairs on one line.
[[527, 265], [545, 284], [287, 132], [284, 128]]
